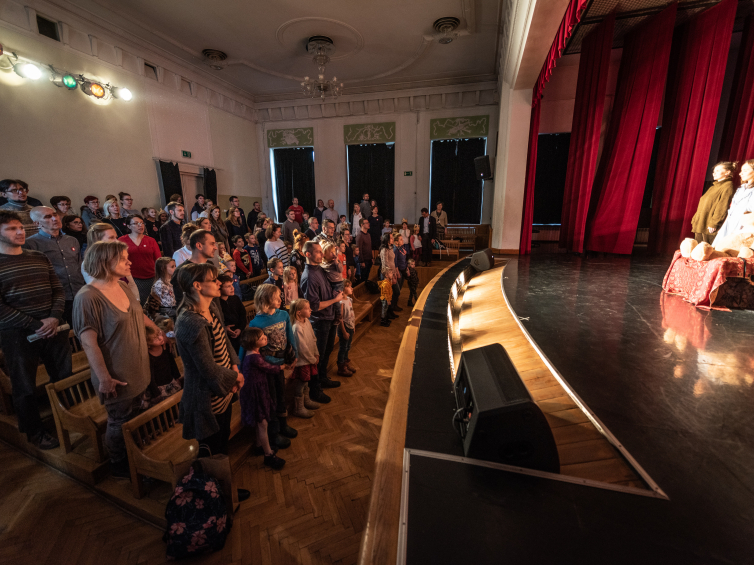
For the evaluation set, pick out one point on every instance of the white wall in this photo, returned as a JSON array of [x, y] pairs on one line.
[[412, 144]]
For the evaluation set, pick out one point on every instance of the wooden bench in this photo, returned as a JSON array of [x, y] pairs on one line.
[[76, 408], [466, 236], [451, 251], [155, 444], [364, 303], [253, 282]]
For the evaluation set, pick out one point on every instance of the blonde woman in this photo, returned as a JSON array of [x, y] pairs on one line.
[[105, 232], [112, 216]]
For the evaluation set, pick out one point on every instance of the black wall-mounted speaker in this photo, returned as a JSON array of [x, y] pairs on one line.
[[496, 416], [483, 168], [483, 260]]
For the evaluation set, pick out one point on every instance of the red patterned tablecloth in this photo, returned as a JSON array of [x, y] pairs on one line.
[[698, 281]]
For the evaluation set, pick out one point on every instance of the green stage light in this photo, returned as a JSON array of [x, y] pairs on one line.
[[69, 82]]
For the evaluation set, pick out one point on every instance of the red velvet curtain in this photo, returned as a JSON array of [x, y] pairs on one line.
[[585, 133], [738, 142], [622, 173], [569, 21], [695, 82]]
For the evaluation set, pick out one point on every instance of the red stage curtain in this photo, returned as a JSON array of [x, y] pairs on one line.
[[738, 143], [585, 133], [623, 168], [695, 82], [569, 21]]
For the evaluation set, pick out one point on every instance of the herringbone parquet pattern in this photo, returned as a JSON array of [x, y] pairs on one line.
[[313, 511]]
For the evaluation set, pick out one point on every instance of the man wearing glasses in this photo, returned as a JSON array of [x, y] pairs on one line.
[[17, 194]]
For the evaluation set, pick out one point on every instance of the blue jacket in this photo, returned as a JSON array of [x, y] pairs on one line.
[[279, 331]]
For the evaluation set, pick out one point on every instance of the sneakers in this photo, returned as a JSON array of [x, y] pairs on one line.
[[319, 396], [397, 309], [327, 382], [274, 462], [385, 323], [43, 440]]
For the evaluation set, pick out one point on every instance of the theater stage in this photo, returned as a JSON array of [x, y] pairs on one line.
[[671, 387]]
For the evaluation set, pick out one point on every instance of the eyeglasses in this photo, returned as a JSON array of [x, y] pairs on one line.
[[18, 190], [137, 224]]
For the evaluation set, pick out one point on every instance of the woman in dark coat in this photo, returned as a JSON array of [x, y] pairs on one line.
[[714, 204], [375, 228]]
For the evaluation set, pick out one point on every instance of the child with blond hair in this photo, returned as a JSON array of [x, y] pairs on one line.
[[307, 359], [290, 284]]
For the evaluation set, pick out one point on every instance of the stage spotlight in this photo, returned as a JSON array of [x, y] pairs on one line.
[[122, 93], [67, 81], [94, 89], [27, 70]]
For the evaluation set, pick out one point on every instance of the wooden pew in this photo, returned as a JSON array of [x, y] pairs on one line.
[[452, 251], [466, 236]]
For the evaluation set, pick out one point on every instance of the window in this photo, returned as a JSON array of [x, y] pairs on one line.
[[293, 175], [452, 179], [371, 169], [48, 28], [150, 71]]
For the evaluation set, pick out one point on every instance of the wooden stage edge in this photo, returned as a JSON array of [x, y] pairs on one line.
[[576, 428]]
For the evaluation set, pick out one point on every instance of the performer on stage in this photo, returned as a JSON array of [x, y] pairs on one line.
[[743, 201], [713, 205]]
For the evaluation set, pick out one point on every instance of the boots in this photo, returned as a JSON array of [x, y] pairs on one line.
[[391, 315], [309, 404], [385, 323], [349, 366], [285, 429], [343, 370], [319, 396], [300, 411]]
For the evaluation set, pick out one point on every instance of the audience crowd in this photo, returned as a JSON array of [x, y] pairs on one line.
[[138, 285]]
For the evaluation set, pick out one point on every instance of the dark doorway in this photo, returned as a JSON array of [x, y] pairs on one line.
[[549, 184], [294, 176], [371, 169], [453, 179]]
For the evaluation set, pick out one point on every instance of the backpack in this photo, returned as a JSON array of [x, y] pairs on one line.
[[196, 515]]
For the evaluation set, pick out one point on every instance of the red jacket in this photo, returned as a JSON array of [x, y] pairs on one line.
[[142, 257]]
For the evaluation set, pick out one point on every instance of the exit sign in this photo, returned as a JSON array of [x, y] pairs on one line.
[[408, 173], [186, 154]]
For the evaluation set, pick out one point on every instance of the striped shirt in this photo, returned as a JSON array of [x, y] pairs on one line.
[[220, 403], [23, 210], [29, 291], [277, 249]]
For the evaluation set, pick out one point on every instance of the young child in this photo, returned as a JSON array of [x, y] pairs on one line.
[[257, 404], [387, 227], [165, 378], [306, 361], [223, 253], [357, 270], [406, 233], [164, 268], [413, 281], [333, 271], [241, 257], [252, 248], [343, 224], [290, 284], [231, 270], [346, 329], [233, 309], [342, 258], [386, 296], [305, 223], [276, 269], [416, 243]]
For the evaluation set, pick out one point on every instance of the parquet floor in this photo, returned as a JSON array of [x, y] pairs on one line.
[[313, 511]]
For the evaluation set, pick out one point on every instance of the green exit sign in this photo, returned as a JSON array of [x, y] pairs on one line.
[[408, 173], [186, 154]]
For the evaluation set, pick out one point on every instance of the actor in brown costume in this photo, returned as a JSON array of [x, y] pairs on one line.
[[714, 204]]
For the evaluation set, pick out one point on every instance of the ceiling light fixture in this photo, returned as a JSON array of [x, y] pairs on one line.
[[27, 70], [64, 81], [320, 47], [215, 59], [446, 27], [121, 93], [93, 89]]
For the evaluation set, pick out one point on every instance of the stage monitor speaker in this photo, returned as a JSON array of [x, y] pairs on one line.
[[496, 416], [483, 168], [483, 260]]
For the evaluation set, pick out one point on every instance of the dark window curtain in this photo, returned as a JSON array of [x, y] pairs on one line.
[[170, 178], [594, 65], [210, 184], [622, 173], [294, 176], [552, 164], [371, 168], [695, 82], [454, 179], [738, 142]]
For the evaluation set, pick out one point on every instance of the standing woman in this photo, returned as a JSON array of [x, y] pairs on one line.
[[210, 364], [441, 219], [143, 251], [112, 216], [109, 322], [218, 226], [389, 272], [375, 229], [105, 232], [298, 260], [74, 226], [233, 224], [714, 204]]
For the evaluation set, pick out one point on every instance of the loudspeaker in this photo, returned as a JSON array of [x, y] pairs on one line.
[[483, 168], [496, 416], [483, 260]]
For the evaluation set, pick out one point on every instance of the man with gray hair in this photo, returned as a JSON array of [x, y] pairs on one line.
[[62, 250], [330, 213]]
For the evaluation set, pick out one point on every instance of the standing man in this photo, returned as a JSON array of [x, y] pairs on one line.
[[428, 231], [170, 231], [254, 214], [364, 241], [330, 213], [31, 304], [125, 205], [365, 206], [311, 231], [62, 250], [350, 264], [289, 225], [17, 195], [327, 233], [203, 247], [298, 210], [198, 207], [234, 202], [322, 301]]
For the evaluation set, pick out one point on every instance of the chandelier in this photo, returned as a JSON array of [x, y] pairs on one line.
[[320, 46]]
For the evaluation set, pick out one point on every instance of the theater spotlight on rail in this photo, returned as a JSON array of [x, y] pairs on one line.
[[93, 89], [64, 81], [27, 70], [121, 93]]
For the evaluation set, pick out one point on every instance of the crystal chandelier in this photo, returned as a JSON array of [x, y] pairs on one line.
[[320, 46]]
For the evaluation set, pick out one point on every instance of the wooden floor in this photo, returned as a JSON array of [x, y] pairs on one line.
[[584, 451], [313, 511]]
